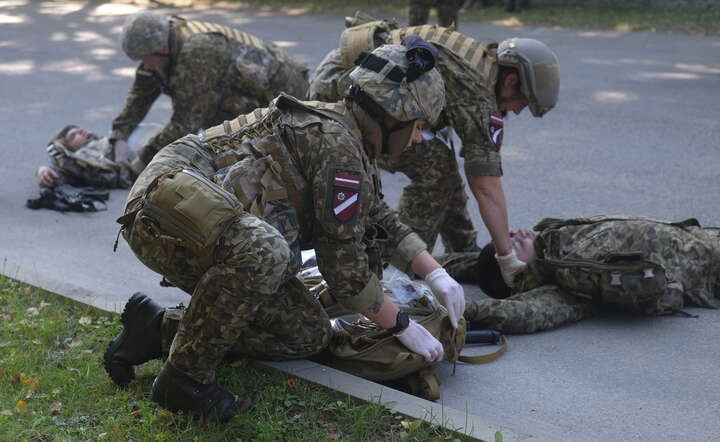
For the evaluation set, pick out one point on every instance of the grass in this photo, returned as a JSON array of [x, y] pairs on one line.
[[698, 21], [53, 388]]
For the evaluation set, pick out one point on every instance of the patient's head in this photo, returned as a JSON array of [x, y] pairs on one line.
[[73, 137], [490, 279]]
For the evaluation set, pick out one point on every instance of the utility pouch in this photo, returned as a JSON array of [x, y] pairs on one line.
[[620, 278], [181, 212]]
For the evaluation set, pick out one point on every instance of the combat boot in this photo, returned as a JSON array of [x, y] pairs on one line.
[[138, 342], [176, 391]]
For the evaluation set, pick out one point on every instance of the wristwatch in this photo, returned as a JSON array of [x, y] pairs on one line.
[[402, 321]]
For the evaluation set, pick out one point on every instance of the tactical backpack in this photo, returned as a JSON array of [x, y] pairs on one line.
[[363, 349], [623, 277]]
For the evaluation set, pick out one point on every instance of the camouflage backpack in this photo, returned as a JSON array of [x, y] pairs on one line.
[[621, 277]]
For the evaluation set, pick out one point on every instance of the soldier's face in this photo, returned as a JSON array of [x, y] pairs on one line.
[[510, 98], [76, 138], [523, 242], [155, 63]]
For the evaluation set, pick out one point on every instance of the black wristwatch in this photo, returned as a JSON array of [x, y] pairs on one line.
[[402, 321]]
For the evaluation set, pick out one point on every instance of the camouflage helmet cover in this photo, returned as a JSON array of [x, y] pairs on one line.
[[422, 98], [144, 33], [538, 68]]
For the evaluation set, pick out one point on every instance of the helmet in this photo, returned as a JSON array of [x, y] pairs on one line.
[[144, 33], [538, 68], [388, 79]]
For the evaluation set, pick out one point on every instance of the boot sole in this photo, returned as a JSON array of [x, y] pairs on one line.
[[121, 373]]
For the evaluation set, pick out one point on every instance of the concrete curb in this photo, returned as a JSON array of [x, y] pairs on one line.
[[431, 412]]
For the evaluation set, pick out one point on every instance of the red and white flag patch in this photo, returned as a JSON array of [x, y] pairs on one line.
[[346, 187], [496, 129]]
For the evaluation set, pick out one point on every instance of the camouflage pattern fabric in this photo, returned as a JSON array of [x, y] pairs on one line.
[[90, 165], [690, 256], [447, 11], [470, 102], [249, 302], [210, 78]]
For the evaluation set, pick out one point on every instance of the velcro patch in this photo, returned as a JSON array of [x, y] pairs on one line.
[[496, 129], [346, 187]]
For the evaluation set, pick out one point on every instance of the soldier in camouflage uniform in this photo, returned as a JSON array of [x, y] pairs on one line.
[[544, 296], [211, 72], [81, 158], [223, 215], [482, 83], [447, 11]]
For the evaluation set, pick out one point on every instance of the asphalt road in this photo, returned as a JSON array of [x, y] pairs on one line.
[[636, 132]]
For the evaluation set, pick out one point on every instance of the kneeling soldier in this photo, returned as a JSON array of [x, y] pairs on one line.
[[224, 214]]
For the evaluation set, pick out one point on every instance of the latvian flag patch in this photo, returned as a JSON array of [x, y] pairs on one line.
[[346, 189], [496, 129]]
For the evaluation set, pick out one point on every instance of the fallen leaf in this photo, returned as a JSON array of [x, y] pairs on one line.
[[74, 370], [29, 394], [16, 378], [27, 380], [36, 341], [74, 343], [43, 304], [34, 385], [88, 352], [136, 413], [6, 413], [85, 320], [102, 435], [32, 311], [55, 407], [20, 404], [56, 391], [164, 414]]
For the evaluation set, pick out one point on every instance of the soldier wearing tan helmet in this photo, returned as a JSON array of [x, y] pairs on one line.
[[483, 82], [224, 214], [211, 72]]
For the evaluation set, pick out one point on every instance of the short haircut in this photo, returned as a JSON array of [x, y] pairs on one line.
[[490, 278], [60, 137]]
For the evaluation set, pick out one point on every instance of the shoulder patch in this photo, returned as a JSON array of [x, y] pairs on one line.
[[496, 129], [346, 192]]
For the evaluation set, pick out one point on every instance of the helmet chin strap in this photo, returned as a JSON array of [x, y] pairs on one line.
[[358, 96]]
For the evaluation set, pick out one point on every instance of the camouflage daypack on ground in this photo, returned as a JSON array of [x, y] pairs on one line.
[[621, 277]]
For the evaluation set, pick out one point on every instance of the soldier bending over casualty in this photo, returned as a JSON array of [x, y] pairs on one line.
[[224, 214], [483, 82], [211, 72], [642, 265]]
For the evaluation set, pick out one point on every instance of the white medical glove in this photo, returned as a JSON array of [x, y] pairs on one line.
[[418, 339], [450, 294], [510, 265]]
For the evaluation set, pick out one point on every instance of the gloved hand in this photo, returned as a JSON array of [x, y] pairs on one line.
[[510, 265], [448, 292], [418, 339]]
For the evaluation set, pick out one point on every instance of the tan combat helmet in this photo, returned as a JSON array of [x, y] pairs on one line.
[[386, 77], [538, 68], [145, 33]]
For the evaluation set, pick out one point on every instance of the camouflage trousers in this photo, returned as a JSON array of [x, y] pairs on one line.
[[543, 308], [435, 202], [447, 11], [249, 303]]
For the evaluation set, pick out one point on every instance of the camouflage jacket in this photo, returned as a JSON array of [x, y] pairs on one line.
[[689, 255], [215, 73], [90, 165], [335, 198], [469, 69]]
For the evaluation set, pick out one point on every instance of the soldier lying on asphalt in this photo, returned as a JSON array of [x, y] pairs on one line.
[[224, 214], [638, 264], [81, 158]]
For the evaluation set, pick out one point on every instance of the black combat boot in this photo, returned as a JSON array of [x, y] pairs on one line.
[[139, 340], [176, 391]]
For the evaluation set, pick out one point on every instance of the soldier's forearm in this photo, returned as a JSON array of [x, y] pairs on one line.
[[490, 196]]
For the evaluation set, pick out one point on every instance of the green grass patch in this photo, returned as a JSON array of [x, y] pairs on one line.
[[53, 387], [700, 21]]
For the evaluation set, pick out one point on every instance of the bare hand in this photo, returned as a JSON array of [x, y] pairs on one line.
[[46, 176]]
